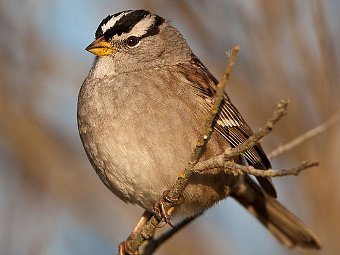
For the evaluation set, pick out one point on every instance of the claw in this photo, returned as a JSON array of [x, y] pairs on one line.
[[160, 212], [173, 201], [160, 225]]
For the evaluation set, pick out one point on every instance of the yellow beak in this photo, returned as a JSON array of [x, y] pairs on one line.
[[101, 47]]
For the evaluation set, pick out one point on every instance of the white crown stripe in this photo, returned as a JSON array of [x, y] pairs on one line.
[[113, 21], [140, 29]]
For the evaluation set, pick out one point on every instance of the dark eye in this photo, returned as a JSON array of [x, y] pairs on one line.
[[132, 41]]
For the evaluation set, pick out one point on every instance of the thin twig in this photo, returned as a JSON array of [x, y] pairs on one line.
[[237, 169], [271, 173], [133, 243], [304, 137]]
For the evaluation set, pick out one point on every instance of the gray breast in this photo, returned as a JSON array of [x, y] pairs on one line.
[[139, 133]]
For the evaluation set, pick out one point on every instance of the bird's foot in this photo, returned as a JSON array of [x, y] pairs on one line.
[[161, 213]]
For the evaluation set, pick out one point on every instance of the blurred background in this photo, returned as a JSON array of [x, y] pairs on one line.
[[52, 202]]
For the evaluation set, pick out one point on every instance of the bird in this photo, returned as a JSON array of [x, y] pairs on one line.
[[140, 111]]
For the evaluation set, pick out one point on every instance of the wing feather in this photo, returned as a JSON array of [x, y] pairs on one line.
[[229, 123]]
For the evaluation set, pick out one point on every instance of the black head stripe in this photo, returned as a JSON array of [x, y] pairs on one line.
[[99, 31], [126, 23], [155, 28]]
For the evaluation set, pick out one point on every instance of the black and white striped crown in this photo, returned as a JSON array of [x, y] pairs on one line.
[[139, 23]]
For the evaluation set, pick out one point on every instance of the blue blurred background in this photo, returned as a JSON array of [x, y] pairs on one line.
[[52, 202]]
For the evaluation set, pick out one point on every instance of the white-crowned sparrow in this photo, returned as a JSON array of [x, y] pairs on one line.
[[140, 112]]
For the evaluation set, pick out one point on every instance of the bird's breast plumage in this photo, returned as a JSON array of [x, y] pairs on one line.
[[139, 135]]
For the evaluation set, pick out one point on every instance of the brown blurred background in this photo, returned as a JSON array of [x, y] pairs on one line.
[[52, 202]]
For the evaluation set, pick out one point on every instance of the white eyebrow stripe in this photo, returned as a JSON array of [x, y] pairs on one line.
[[142, 27], [113, 21]]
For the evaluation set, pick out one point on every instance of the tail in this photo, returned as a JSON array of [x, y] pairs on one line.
[[285, 226]]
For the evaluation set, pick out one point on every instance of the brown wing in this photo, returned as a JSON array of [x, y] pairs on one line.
[[230, 123]]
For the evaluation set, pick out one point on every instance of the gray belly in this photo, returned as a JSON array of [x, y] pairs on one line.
[[139, 137]]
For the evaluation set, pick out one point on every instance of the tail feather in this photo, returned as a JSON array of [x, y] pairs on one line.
[[285, 226]]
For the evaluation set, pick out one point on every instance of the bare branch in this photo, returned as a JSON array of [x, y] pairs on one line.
[[237, 169], [304, 137]]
